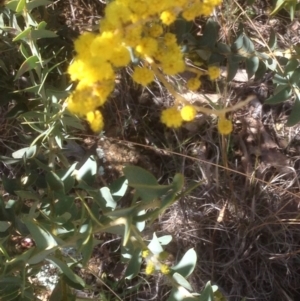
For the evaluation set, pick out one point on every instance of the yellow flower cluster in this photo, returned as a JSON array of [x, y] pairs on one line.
[[154, 263], [174, 118], [131, 29], [145, 253], [165, 269], [150, 268]]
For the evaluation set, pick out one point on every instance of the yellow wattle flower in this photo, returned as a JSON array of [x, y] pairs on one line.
[[150, 268], [224, 126], [145, 253], [130, 29], [168, 17], [165, 269], [143, 75], [171, 117], [193, 84], [213, 72], [188, 113], [95, 121]]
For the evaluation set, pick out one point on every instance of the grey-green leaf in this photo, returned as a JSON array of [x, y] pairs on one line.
[[42, 237], [35, 3], [187, 264], [272, 43], [155, 246], [66, 271], [134, 264], [42, 33], [26, 152], [252, 64], [54, 182], [281, 96], [210, 34], [145, 183], [232, 67], [87, 171], [207, 294], [182, 281], [29, 64], [294, 117]]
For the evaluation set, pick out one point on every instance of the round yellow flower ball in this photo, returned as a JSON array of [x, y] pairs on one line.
[[213, 72], [143, 76], [188, 113], [224, 126], [193, 84], [171, 117]]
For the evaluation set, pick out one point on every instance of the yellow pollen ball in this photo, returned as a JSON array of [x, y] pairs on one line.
[[150, 268], [121, 57], [147, 46], [224, 126], [143, 76], [170, 39], [168, 17], [155, 30], [193, 84], [165, 269], [188, 113], [145, 253], [213, 72], [82, 44], [171, 117]]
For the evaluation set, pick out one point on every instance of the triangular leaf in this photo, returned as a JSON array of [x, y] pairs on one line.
[[207, 294], [182, 281], [187, 264], [155, 246]]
